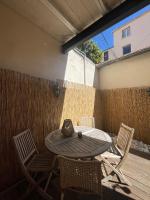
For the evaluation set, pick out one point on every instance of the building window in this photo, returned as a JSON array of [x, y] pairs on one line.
[[126, 49], [126, 32], [106, 56]]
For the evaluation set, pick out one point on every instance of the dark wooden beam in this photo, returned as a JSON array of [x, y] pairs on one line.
[[122, 11]]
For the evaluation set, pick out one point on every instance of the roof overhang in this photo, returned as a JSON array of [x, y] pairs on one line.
[[71, 22], [125, 9], [62, 19]]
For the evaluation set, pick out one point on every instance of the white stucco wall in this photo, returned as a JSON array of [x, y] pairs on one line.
[[90, 73], [80, 69], [75, 68], [26, 48]]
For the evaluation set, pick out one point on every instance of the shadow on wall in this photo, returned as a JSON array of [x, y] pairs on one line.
[[28, 49], [26, 102]]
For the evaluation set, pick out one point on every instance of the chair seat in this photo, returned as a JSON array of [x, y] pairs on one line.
[[41, 163], [112, 153], [113, 158]]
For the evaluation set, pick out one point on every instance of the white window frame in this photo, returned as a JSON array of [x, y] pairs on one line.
[[126, 32]]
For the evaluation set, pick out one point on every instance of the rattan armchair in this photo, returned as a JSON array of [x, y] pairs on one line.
[[116, 156], [33, 163], [87, 121], [86, 175]]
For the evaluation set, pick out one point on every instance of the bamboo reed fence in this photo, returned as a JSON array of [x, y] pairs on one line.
[[28, 102], [130, 106]]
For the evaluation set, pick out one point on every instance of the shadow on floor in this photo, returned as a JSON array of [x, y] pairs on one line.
[[136, 169], [54, 190]]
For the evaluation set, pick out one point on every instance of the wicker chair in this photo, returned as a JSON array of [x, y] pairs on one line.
[[86, 175], [33, 163], [87, 121], [117, 154]]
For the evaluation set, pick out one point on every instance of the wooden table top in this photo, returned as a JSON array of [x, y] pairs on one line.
[[92, 143]]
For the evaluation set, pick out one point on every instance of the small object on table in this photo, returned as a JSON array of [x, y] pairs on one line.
[[80, 134], [67, 128]]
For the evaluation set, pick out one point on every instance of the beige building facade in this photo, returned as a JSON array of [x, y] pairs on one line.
[[130, 38], [126, 72]]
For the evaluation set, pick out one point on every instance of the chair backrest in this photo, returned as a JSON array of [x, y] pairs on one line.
[[25, 146], [87, 121], [124, 138], [80, 174]]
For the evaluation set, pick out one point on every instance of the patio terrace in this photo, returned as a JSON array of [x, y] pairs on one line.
[[32, 33], [136, 169]]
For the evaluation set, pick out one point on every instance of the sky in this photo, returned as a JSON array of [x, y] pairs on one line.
[[104, 40]]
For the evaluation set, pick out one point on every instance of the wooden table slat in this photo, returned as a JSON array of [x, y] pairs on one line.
[[92, 143]]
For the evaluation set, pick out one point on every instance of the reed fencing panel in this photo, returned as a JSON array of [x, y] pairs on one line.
[[28, 102], [130, 106]]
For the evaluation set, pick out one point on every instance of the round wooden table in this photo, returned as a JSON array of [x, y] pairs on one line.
[[92, 143]]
